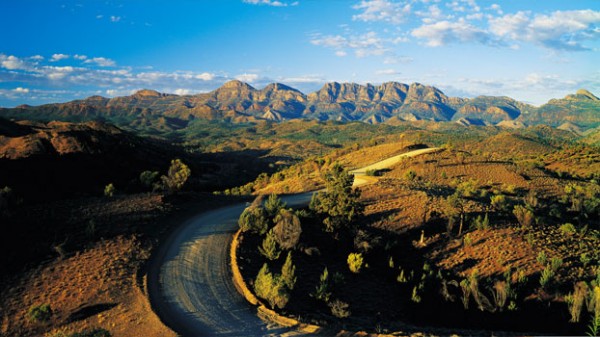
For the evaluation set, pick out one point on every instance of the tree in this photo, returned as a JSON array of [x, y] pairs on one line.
[[339, 203], [176, 177], [269, 247], [254, 219], [524, 216], [287, 229], [109, 190], [273, 205], [149, 178], [355, 262], [322, 290], [454, 208], [271, 288], [288, 272]]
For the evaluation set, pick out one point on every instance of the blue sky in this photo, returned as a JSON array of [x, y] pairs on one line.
[[54, 51]]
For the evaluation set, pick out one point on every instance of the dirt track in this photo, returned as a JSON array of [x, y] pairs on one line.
[[190, 282]]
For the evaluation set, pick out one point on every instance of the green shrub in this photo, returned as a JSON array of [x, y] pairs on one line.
[[499, 202], [322, 291], [524, 216], [410, 175], [288, 272], [176, 177], [269, 247], [271, 288], [109, 190], [339, 309], [415, 297], [273, 205], [254, 219], [546, 277], [542, 258], [40, 313], [148, 179], [355, 262], [568, 229]]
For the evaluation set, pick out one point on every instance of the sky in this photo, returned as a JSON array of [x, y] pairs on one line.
[[531, 50]]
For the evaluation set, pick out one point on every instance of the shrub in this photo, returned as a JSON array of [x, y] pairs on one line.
[[355, 262], [576, 300], [568, 229], [148, 179], [499, 202], [287, 229], [524, 216], [339, 309], [415, 297], [40, 313], [500, 294], [269, 247], [176, 177], [273, 205], [542, 258], [253, 219], [271, 288], [410, 175], [555, 263], [339, 203], [109, 190], [288, 272], [322, 291], [546, 276]]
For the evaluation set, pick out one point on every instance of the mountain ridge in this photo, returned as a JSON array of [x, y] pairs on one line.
[[237, 101]]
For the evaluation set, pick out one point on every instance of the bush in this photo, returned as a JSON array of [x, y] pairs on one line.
[[339, 203], [499, 202], [340, 309], [322, 291], [287, 229], [269, 247], [271, 288], [109, 190], [355, 262], [176, 177], [288, 272], [410, 175], [40, 313], [546, 277], [542, 258], [273, 205], [254, 219], [148, 179], [568, 229], [524, 216]]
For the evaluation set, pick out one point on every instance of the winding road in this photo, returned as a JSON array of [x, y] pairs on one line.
[[190, 282]]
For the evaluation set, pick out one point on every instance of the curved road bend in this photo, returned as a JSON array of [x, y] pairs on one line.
[[190, 281]]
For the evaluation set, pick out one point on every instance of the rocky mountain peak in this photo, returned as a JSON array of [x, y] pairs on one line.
[[587, 94], [146, 93]]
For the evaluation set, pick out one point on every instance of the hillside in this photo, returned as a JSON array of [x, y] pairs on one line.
[[151, 112]]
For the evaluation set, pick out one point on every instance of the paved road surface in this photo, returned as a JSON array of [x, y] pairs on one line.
[[190, 281]]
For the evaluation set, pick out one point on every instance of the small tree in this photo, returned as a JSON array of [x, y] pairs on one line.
[[524, 216], [339, 309], [288, 272], [176, 177], [148, 179], [322, 291], [339, 203], [355, 262], [271, 288], [454, 209], [254, 219], [269, 247], [273, 205], [109, 190], [287, 229], [499, 202], [40, 313]]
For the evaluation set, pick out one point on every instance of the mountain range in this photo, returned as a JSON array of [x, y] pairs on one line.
[[237, 101]]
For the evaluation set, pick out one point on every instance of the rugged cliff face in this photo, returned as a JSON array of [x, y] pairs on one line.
[[240, 102]]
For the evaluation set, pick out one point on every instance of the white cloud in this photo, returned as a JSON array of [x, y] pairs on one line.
[[36, 57], [80, 57], [101, 61], [382, 10], [249, 78], [99, 16], [21, 90], [13, 63], [367, 44], [114, 18], [58, 73], [445, 32], [205, 76], [274, 3], [58, 57], [182, 92], [561, 30]]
